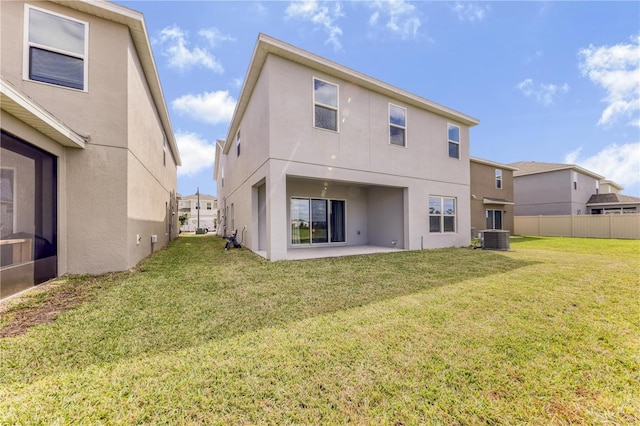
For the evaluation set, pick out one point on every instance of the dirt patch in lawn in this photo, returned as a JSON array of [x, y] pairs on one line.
[[44, 303]]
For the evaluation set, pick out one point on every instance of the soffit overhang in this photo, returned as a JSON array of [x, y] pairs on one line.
[[28, 111], [497, 201]]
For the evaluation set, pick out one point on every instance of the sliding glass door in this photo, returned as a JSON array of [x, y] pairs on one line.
[[317, 221]]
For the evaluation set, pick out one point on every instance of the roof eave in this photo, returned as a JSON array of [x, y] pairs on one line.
[[25, 109], [493, 164], [138, 30], [268, 45]]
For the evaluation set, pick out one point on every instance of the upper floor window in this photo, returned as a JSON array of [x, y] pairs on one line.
[[397, 125], [325, 105], [56, 49], [209, 205], [238, 143], [453, 135], [575, 180], [442, 214], [164, 149], [597, 187], [498, 178]]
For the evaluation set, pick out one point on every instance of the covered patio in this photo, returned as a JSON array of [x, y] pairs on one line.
[[334, 251]]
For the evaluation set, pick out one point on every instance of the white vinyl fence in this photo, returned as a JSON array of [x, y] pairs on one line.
[[595, 226]]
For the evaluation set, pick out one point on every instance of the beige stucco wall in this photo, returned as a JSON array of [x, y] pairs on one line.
[[151, 170], [117, 186], [483, 185], [362, 142], [552, 193]]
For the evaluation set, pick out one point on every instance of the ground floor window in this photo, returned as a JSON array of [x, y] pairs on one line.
[[494, 219], [28, 219], [317, 221], [442, 214]]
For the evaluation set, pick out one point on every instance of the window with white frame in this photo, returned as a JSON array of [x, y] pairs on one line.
[[164, 150], [397, 125], [494, 219], [498, 178], [575, 180], [238, 143], [325, 105], [442, 214], [56, 49], [453, 136], [597, 187], [209, 205]]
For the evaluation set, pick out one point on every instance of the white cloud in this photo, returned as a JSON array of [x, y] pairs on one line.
[[401, 17], [214, 36], [544, 93], [323, 15], [196, 153], [617, 70], [210, 107], [176, 47], [620, 163], [471, 12]]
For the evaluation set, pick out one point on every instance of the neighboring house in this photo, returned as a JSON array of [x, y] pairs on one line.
[[609, 187], [202, 215], [552, 188], [88, 157], [320, 155], [613, 203], [491, 196]]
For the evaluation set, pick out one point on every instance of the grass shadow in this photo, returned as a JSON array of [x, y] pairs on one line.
[[194, 292]]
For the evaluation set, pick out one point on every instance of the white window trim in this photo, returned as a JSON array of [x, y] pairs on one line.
[[442, 215], [456, 142], [27, 44], [336, 108], [498, 173], [406, 138], [238, 144]]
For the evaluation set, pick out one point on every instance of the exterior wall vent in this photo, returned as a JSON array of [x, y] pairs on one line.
[[495, 239]]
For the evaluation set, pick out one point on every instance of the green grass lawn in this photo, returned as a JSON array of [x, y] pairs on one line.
[[548, 333]]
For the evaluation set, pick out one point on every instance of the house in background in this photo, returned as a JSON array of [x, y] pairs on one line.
[[566, 189], [206, 212], [609, 187], [320, 155], [491, 196], [613, 203], [88, 157], [552, 188]]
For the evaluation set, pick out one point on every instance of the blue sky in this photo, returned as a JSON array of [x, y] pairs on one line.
[[549, 81]]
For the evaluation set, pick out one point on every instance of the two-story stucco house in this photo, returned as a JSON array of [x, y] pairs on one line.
[[552, 188], [566, 189], [201, 211], [491, 195], [88, 157], [320, 155]]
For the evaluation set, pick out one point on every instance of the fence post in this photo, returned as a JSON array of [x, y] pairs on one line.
[[610, 226], [539, 225]]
